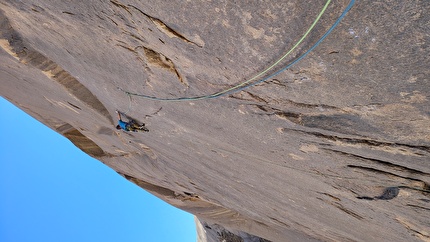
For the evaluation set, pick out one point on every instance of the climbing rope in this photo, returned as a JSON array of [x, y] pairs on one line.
[[129, 104], [247, 83]]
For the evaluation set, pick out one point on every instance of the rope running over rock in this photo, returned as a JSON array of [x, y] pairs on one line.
[[248, 83]]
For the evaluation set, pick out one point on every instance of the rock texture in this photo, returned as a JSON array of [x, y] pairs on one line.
[[337, 148]]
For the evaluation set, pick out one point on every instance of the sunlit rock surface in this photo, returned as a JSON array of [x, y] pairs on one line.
[[336, 148]]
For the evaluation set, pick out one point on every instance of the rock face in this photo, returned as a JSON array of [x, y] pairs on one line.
[[336, 148]]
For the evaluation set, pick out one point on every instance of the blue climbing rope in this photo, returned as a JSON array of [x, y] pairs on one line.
[[300, 57], [242, 86]]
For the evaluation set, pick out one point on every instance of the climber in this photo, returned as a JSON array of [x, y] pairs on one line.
[[131, 125]]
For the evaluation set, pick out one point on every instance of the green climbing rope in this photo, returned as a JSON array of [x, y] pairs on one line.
[[244, 84]]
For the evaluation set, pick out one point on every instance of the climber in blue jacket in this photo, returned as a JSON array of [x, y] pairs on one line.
[[130, 125]]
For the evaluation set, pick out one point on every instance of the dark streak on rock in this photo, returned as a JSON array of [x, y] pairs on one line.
[[73, 105], [340, 123], [348, 211], [120, 5], [338, 205], [256, 97], [126, 47], [293, 117], [69, 13], [37, 9], [381, 162], [29, 56], [311, 106], [141, 39], [366, 198], [164, 27], [113, 21], [279, 222], [417, 206], [371, 169], [331, 196], [367, 142]]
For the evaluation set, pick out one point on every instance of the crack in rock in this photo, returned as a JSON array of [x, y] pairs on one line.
[[361, 141], [156, 59], [164, 28], [383, 163]]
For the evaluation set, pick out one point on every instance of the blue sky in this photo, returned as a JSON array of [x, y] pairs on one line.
[[52, 191]]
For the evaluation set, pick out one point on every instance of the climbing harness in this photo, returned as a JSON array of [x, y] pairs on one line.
[[248, 83]]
